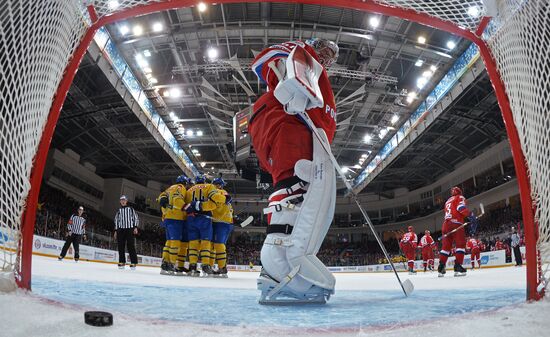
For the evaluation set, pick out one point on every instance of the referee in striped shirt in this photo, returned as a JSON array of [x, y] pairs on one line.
[[76, 229], [126, 223]]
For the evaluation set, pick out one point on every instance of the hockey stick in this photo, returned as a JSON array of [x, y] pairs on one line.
[[463, 225], [407, 285], [245, 223]]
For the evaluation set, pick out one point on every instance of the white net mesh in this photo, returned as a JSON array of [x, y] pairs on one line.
[[521, 49], [463, 13], [39, 37]]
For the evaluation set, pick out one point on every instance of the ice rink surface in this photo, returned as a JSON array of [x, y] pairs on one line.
[[488, 302]]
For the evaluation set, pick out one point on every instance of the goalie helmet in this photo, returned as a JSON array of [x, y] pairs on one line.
[[326, 50], [456, 191]]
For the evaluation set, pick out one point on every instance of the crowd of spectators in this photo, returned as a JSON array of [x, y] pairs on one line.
[[55, 208]]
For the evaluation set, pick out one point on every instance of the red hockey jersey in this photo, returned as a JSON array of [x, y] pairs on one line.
[[410, 238], [456, 210], [473, 244], [427, 241], [324, 117]]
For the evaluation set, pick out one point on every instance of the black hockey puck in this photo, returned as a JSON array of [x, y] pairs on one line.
[[98, 318]]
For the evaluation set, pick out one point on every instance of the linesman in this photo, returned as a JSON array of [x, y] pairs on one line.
[[76, 229], [126, 223]]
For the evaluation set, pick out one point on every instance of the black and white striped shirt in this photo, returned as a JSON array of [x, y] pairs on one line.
[[126, 217], [76, 225]]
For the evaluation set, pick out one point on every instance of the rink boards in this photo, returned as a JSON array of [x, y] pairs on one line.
[[52, 247]]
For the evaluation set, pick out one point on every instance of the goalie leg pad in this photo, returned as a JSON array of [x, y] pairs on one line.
[[283, 252]]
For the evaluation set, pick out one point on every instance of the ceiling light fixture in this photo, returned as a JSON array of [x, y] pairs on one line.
[[374, 21], [473, 11], [421, 39], [201, 7], [394, 119], [199, 133], [157, 27], [367, 138], [212, 53], [190, 134], [419, 63], [383, 133], [113, 4], [427, 74], [124, 30], [421, 82], [137, 30], [146, 53], [175, 92], [451, 44], [433, 68]]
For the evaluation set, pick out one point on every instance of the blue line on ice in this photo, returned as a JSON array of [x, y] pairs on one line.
[[347, 309]]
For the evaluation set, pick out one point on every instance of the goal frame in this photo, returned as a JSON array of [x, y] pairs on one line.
[[23, 278]]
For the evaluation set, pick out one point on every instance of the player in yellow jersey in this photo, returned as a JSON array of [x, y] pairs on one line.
[[222, 225], [201, 200], [184, 246], [172, 203]]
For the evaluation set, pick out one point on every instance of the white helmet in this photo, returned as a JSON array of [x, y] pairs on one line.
[[326, 50]]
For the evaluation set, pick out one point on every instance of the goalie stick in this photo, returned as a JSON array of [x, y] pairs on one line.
[[407, 286], [481, 208]]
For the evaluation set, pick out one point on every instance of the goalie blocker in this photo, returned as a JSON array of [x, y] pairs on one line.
[[301, 209]]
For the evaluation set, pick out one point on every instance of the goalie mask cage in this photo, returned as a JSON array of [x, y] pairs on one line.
[[43, 42]]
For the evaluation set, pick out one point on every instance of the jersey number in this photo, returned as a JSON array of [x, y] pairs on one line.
[[448, 213], [200, 196]]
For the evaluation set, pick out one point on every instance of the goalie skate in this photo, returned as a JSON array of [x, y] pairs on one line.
[[277, 293]]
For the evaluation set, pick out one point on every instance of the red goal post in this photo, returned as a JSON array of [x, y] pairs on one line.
[[43, 43]]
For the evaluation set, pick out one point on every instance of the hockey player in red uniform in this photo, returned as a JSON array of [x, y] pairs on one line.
[[301, 209], [427, 244], [474, 246], [499, 245], [455, 212], [408, 244]]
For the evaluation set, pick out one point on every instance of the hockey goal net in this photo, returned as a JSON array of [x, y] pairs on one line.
[[42, 43]]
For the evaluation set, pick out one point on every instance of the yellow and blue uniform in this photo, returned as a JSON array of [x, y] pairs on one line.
[[172, 202], [222, 218], [202, 199]]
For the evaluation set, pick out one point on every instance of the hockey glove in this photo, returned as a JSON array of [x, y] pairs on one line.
[[474, 224], [193, 207], [163, 201], [228, 199]]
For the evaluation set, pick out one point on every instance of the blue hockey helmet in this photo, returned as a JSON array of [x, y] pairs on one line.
[[200, 179], [182, 179], [219, 181]]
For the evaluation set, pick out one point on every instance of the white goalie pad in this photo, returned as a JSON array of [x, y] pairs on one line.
[[291, 258], [298, 89]]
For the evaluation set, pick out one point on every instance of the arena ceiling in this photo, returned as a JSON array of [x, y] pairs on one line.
[[197, 92]]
